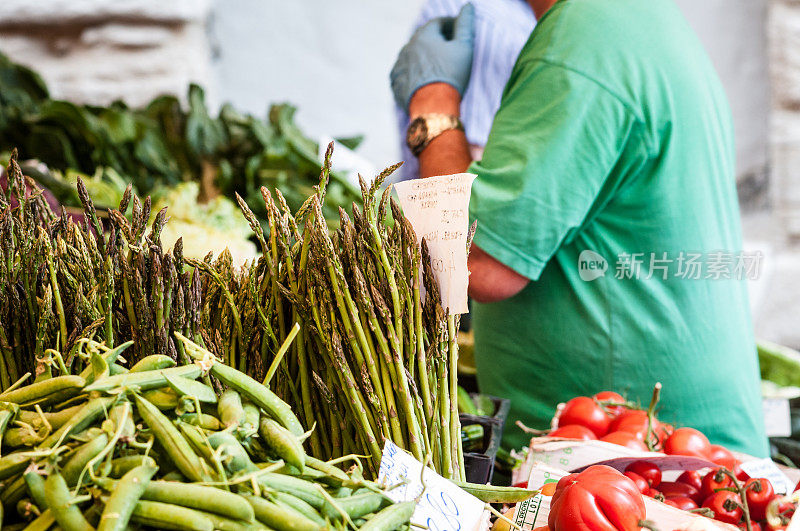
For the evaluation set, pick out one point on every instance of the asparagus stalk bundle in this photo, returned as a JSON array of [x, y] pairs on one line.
[[333, 321]]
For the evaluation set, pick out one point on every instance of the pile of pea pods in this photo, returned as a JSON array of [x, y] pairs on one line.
[[161, 445]]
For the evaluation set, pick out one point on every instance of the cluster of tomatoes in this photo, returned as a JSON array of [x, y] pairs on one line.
[[716, 491]]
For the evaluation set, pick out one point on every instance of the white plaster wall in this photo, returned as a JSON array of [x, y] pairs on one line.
[[332, 59]]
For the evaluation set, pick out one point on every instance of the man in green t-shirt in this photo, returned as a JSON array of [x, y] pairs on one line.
[[608, 252]]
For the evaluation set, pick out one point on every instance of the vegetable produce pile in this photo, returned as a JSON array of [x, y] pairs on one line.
[[157, 446], [161, 146], [338, 316]]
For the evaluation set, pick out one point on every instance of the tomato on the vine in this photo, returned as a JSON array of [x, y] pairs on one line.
[[691, 477], [754, 526], [611, 396], [682, 502], [631, 421], [623, 438], [726, 506], [586, 412], [714, 481], [649, 471], [719, 455], [758, 493], [687, 441], [639, 481], [673, 489], [573, 431]]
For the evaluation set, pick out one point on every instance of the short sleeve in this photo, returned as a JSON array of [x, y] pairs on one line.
[[554, 144]]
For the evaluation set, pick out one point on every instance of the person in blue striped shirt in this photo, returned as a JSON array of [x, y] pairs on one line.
[[501, 29]]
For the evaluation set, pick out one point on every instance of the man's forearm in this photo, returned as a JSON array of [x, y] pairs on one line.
[[449, 152]]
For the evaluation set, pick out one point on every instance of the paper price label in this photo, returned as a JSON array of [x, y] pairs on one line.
[[777, 418], [442, 507], [766, 468], [438, 209]]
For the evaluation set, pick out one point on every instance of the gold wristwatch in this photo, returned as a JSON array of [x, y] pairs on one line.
[[426, 127]]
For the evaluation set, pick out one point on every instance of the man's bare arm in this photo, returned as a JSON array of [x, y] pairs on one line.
[[490, 280]]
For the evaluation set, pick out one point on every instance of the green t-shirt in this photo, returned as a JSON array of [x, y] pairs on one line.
[[613, 149]]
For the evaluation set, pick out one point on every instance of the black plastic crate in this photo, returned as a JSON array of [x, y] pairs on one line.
[[479, 466]]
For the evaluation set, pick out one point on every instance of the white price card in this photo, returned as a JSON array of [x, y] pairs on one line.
[[438, 209], [766, 468], [777, 418], [443, 506]]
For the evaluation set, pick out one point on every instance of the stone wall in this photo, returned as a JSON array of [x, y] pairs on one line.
[[96, 51]]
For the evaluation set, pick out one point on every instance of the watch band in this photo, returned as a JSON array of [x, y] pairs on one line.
[[425, 127]]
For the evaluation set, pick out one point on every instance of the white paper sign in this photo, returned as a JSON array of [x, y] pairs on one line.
[[438, 209], [443, 506], [777, 418], [766, 468]]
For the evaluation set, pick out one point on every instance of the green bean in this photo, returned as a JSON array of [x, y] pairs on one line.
[[42, 523], [282, 442], [192, 388], [71, 471], [60, 502], [35, 484], [305, 490], [166, 516], [153, 362], [259, 395], [230, 409], [354, 506], [82, 419], [391, 518], [287, 500], [13, 464], [171, 440], [493, 494], [280, 518], [143, 380], [123, 499], [122, 465], [39, 390]]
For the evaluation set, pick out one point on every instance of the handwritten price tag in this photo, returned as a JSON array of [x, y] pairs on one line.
[[438, 209], [442, 507], [766, 468]]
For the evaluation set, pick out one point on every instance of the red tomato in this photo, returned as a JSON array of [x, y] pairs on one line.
[[626, 439], [653, 493], [754, 526], [720, 455], [687, 441], [726, 506], [611, 396], [649, 471], [683, 503], [673, 489], [691, 477], [758, 493], [672, 503], [573, 431], [631, 421], [585, 411], [639, 481], [713, 481]]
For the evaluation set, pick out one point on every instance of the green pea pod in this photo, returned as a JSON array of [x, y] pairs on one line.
[[354, 506], [259, 395], [202, 420], [8, 412], [13, 464], [193, 434], [210, 499], [282, 442], [305, 490], [229, 524], [43, 522], [122, 465], [60, 502], [56, 419], [143, 380], [115, 369], [166, 516], [231, 452], [163, 398], [35, 484], [252, 416], [39, 390], [336, 476], [391, 518], [109, 356], [89, 413], [171, 440], [230, 409], [16, 437], [121, 414], [192, 388], [293, 502], [493, 494], [14, 492], [72, 469], [123, 499], [280, 518], [154, 362]]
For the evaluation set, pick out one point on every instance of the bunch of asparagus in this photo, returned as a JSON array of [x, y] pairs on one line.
[[334, 320]]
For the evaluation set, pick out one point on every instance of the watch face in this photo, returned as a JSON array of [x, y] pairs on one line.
[[417, 133]]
